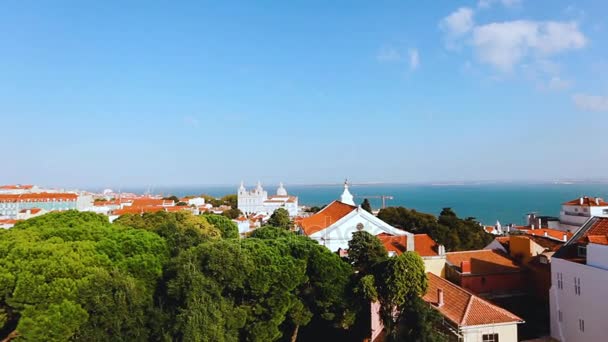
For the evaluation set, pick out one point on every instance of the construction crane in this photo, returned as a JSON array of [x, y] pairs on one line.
[[382, 197]]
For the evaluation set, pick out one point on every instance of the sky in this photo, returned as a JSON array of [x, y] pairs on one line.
[[151, 93]]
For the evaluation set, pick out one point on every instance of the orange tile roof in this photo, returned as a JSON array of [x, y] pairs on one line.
[[138, 210], [148, 201], [16, 187], [598, 232], [38, 197], [178, 208], [552, 233], [8, 221], [32, 211], [588, 202], [485, 261], [325, 217], [423, 244], [462, 307]]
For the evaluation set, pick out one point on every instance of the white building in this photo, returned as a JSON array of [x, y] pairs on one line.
[[334, 225], [576, 212], [258, 201], [579, 279]]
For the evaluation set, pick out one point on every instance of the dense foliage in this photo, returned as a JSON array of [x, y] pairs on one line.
[[75, 276], [280, 218], [448, 229], [178, 277], [365, 205]]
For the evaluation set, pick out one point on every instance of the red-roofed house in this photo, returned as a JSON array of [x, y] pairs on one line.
[[25, 214], [432, 253], [579, 279], [485, 272], [12, 204], [576, 212], [467, 316]]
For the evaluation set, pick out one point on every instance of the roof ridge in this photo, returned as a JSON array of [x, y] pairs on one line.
[[467, 310]]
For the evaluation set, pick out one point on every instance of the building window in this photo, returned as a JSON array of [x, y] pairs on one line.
[[582, 251], [581, 325], [489, 338], [560, 281], [577, 286], [560, 317]]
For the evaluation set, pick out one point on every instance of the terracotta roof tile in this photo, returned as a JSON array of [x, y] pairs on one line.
[[38, 197], [588, 202], [16, 187], [551, 233], [325, 217], [485, 261], [423, 244], [462, 307]]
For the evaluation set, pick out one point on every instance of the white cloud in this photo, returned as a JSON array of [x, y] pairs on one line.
[[504, 44], [458, 23], [506, 3], [388, 54], [414, 59], [594, 103]]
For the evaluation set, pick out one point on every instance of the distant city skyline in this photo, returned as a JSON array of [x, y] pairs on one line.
[[192, 93]]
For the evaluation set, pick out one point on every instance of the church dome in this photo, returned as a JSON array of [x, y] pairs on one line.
[[281, 190]]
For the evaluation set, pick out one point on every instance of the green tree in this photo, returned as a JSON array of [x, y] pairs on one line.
[[365, 250], [419, 322], [75, 276], [180, 230], [399, 280], [270, 232], [232, 213], [228, 228], [366, 205], [231, 200], [280, 218]]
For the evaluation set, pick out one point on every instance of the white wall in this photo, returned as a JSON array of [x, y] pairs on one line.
[[506, 332], [589, 306], [597, 256]]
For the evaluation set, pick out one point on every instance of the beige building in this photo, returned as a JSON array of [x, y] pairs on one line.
[[469, 318]]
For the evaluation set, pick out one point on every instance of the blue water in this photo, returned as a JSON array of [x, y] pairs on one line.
[[508, 203]]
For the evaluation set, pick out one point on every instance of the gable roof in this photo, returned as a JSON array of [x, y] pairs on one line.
[[325, 217], [462, 307], [424, 245], [484, 261], [555, 234]]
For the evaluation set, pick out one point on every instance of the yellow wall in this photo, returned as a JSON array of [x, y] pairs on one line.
[[524, 248], [435, 265]]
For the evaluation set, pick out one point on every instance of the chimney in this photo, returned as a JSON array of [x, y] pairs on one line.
[[540, 223], [581, 200], [441, 250], [546, 234], [465, 266], [565, 237], [597, 200], [410, 247], [439, 298]]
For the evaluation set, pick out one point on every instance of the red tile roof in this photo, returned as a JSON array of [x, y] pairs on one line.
[[462, 307], [325, 217], [178, 208], [16, 187], [423, 244], [485, 261], [588, 202], [32, 211], [551, 233], [38, 197], [598, 232], [138, 210], [148, 201], [7, 221]]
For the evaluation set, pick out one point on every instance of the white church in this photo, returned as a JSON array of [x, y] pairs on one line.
[[257, 200], [334, 225]]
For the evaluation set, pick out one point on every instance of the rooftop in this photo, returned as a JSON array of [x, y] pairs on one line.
[[588, 202], [325, 217], [38, 197], [484, 261], [424, 245], [462, 307]]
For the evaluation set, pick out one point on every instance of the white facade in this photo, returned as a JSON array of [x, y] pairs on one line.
[[197, 201], [338, 235], [258, 201], [575, 213], [578, 300], [507, 332]]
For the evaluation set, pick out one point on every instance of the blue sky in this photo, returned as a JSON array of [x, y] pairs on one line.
[[175, 93]]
